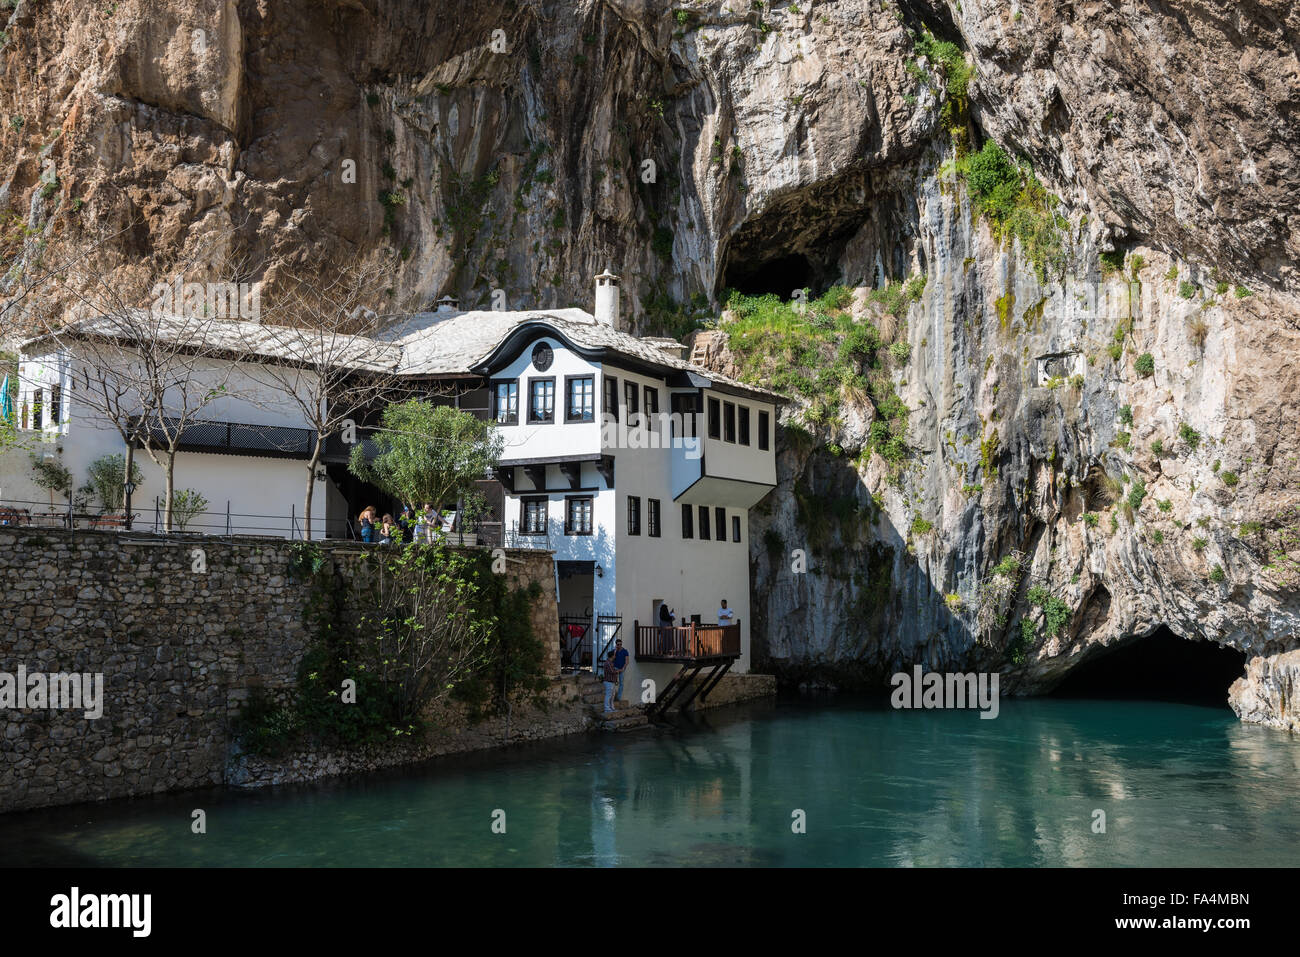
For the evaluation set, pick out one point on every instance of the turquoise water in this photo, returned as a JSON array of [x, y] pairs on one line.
[[1181, 785]]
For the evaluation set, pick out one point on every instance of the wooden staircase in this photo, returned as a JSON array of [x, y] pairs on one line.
[[626, 717]]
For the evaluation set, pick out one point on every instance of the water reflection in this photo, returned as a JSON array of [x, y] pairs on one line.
[[1179, 785]]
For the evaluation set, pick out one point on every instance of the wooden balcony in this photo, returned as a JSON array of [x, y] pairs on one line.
[[687, 643]]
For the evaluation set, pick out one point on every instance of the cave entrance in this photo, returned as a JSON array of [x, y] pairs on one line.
[[1159, 667], [781, 276]]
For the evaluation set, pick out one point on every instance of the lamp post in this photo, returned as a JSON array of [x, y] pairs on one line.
[[129, 487]]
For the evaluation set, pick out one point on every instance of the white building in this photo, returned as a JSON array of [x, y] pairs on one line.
[[635, 467]]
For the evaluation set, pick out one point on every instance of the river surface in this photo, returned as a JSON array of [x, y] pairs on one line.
[[1180, 785]]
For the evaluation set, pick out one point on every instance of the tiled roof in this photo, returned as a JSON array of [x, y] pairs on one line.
[[456, 342], [423, 344]]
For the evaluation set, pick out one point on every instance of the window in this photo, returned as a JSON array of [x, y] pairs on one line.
[[633, 515], [715, 419], [611, 397], [651, 400], [744, 425], [735, 528], [631, 399], [704, 523], [56, 403], [580, 404], [683, 408], [533, 519], [476, 402], [764, 420], [505, 402], [652, 517], [720, 524], [729, 421], [541, 400], [688, 522], [38, 409], [577, 516]]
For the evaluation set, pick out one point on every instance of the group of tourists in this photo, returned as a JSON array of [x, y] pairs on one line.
[[423, 525]]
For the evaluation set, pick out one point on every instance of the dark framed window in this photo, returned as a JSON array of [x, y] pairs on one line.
[[728, 421], [38, 409], [577, 515], [704, 523], [611, 397], [688, 522], [715, 419], [651, 400], [633, 515], [541, 400], [579, 398], [505, 402], [476, 402], [631, 399], [743, 412], [735, 528], [683, 407], [764, 425], [652, 517], [56, 404], [720, 524], [533, 517]]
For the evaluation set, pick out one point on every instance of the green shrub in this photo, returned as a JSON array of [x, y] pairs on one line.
[[1090, 519], [1199, 543], [1229, 478], [1164, 505], [1145, 364], [1008, 567], [1136, 494], [1158, 537], [901, 351], [1189, 435], [921, 526], [1217, 575], [1187, 290], [1158, 447], [1126, 414], [1242, 292]]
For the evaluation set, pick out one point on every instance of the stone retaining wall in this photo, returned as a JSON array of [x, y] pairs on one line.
[[180, 642]]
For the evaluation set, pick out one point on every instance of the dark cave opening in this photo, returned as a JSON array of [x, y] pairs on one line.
[[1159, 667], [781, 276]]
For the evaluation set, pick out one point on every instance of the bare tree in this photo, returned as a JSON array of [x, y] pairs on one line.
[[324, 359], [148, 357], [336, 363]]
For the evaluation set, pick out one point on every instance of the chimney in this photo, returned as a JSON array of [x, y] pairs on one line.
[[448, 303], [607, 299]]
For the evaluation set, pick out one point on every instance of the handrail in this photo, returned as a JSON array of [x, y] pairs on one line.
[[687, 642]]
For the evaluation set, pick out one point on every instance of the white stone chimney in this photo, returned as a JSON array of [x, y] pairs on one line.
[[607, 298]]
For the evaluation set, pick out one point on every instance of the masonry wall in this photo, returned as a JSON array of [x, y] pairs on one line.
[[179, 650]]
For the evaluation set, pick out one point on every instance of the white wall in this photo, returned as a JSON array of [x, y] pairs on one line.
[[527, 440], [265, 491]]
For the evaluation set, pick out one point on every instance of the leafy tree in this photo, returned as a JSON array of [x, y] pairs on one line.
[[429, 453], [104, 480]]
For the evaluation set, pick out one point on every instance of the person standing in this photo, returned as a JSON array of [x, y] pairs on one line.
[[620, 662], [367, 522], [386, 530], [406, 523], [725, 615], [611, 682], [666, 628]]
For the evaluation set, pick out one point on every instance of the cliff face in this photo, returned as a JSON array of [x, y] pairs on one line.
[[522, 146]]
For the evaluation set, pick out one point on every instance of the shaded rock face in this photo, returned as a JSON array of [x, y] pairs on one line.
[[522, 146]]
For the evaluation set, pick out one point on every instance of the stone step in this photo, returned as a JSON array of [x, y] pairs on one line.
[[629, 720]]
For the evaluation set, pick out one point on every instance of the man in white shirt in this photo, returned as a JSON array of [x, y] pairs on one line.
[[725, 615]]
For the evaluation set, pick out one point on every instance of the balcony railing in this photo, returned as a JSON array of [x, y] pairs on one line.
[[686, 642]]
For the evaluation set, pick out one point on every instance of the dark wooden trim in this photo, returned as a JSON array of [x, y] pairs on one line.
[[605, 466], [608, 383], [553, 459], [523, 513], [528, 415], [492, 400], [572, 471], [537, 475], [568, 419], [573, 498]]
